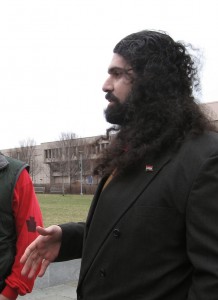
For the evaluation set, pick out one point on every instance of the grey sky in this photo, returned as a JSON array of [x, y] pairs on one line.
[[54, 57]]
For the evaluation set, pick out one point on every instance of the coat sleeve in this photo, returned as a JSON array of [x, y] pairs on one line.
[[27, 215], [202, 232], [72, 241]]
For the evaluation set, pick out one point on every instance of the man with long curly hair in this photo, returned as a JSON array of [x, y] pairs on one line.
[[152, 229]]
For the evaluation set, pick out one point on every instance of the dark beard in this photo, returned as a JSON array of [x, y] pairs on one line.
[[117, 112]]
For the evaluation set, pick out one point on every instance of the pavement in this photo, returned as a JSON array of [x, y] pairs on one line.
[[58, 292]]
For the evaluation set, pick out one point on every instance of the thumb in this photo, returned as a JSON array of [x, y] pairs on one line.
[[48, 230], [44, 231]]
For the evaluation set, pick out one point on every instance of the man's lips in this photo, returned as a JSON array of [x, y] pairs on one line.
[[111, 98], [108, 97]]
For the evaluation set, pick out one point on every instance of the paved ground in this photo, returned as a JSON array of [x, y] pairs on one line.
[[58, 292]]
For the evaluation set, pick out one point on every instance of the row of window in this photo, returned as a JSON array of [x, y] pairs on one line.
[[75, 151]]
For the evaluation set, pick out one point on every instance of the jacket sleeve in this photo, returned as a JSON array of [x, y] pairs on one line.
[[202, 232], [27, 216], [72, 241]]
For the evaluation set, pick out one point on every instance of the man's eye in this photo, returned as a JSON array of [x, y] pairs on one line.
[[117, 73]]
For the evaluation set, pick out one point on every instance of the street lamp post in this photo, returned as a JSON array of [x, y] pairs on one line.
[[32, 169], [81, 173]]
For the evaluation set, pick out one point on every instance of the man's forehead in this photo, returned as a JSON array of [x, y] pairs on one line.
[[118, 62]]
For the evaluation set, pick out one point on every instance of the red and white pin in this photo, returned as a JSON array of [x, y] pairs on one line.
[[149, 168]]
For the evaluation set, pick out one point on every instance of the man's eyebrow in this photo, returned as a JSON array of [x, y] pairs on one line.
[[114, 69]]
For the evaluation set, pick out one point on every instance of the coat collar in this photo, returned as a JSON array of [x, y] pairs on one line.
[[110, 204]]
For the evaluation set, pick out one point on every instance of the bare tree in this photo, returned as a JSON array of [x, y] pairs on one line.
[[70, 153], [62, 161], [27, 153]]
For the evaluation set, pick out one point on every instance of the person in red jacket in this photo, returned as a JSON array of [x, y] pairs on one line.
[[26, 216]]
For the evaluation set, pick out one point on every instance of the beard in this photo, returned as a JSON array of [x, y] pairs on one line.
[[116, 113]]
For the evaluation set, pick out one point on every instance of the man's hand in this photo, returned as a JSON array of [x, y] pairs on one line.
[[43, 250]]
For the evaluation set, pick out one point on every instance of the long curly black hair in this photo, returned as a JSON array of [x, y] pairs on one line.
[[162, 110]]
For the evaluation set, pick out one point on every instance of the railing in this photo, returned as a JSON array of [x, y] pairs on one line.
[[56, 190], [39, 189]]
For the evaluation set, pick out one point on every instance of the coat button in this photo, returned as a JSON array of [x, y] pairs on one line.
[[116, 233], [102, 273]]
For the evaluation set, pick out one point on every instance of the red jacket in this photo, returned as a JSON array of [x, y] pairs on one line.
[[27, 216]]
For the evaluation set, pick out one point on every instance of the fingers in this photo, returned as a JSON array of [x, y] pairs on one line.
[[33, 246], [40, 252], [29, 250], [44, 266], [32, 264]]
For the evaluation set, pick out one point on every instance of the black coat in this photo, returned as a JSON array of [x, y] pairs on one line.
[[153, 233]]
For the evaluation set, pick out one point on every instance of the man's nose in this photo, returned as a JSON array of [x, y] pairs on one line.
[[107, 86]]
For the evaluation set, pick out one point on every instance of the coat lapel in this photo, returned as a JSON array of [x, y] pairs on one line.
[[109, 205], [94, 203]]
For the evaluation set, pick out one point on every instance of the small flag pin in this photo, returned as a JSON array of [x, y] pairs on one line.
[[149, 168]]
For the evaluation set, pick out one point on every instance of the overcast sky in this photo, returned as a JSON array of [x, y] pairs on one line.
[[54, 57]]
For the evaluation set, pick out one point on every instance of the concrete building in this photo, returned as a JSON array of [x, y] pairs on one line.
[[63, 166], [66, 166], [211, 109]]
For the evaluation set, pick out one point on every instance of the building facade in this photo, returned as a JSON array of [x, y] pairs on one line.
[[64, 166]]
